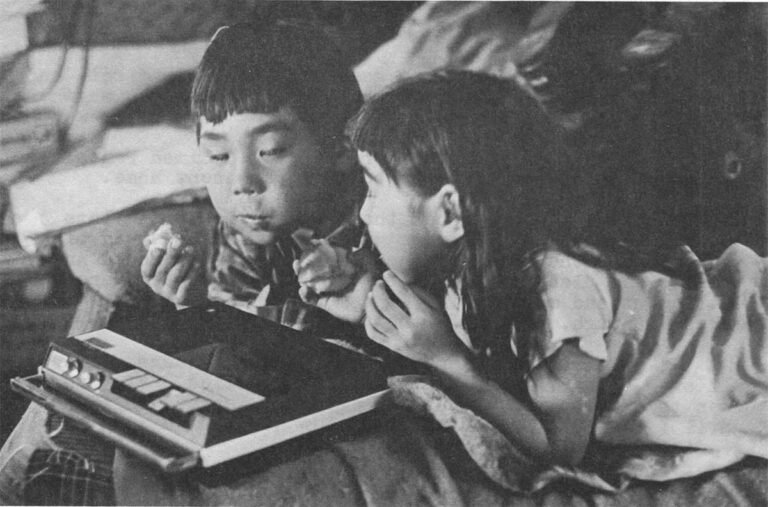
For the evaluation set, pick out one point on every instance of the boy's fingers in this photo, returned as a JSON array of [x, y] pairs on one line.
[[172, 254], [295, 265], [310, 260], [150, 263], [178, 273], [303, 238], [184, 294], [307, 295]]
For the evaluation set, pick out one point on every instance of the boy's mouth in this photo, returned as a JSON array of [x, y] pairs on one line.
[[256, 222]]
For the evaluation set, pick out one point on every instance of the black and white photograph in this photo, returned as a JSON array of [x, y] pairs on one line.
[[383, 253]]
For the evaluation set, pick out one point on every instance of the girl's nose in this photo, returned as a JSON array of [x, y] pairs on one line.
[[247, 177], [365, 211]]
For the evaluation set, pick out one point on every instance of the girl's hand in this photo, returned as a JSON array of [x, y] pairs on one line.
[[172, 272], [418, 330], [347, 304]]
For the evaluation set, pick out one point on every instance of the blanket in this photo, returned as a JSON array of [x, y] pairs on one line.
[[432, 452]]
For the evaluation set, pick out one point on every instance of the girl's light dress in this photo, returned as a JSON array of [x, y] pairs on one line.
[[683, 363]]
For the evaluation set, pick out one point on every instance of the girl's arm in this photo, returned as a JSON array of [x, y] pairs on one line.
[[563, 387]]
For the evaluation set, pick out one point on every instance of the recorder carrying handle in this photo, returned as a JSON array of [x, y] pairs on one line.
[[33, 388]]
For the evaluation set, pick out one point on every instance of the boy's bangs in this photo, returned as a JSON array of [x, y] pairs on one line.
[[222, 91]]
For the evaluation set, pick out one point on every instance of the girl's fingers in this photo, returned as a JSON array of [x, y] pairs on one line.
[[295, 266], [374, 334], [426, 298], [402, 291], [378, 319], [371, 330], [387, 307]]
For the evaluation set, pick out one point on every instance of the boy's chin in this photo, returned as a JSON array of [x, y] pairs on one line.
[[260, 237]]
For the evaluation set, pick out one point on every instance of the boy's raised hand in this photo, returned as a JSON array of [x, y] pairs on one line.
[[343, 296], [171, 270], [417, 328]]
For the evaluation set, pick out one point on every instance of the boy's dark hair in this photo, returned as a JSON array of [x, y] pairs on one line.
[[263, 67]]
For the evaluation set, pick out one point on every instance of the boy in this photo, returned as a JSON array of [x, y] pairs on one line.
[[272, 102]]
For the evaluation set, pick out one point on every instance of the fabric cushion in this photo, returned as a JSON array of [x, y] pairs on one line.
[[106, 255]]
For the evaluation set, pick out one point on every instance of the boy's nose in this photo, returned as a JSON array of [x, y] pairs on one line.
[[247, 178]]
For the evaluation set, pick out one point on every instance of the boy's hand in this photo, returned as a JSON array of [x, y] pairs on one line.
[[418, 330], [171, 270], [322, 267], [348, 303]]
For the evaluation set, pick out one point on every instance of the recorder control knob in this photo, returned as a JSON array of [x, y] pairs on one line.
[[73, 367], [97, 379]]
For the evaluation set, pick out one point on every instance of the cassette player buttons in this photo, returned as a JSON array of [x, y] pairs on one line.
[[57, 362]]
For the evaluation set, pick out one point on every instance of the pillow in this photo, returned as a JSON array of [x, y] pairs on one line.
[[106, 255]]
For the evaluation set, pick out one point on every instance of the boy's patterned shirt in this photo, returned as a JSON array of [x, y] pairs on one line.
[[241, 271]]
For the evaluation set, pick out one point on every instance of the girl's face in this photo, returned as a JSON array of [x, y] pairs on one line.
[[402, 224]]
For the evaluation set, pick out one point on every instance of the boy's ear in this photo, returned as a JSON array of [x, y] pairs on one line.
[[451, 226]]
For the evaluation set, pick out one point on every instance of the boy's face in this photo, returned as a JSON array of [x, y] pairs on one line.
[[401, 224], [270, 175]]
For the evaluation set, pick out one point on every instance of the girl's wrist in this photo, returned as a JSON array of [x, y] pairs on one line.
[[459, 365]]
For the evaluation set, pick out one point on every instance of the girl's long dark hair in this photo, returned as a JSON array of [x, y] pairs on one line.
[[491, 140], [519, 190]]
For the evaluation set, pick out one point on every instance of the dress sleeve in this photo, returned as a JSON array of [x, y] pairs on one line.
[[574, 302]]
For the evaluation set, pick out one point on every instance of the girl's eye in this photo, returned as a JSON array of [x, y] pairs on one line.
[[272, 152], [221, 157]]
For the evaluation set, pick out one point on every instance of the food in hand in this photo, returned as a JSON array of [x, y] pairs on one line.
[[323, 267], [161, 237]]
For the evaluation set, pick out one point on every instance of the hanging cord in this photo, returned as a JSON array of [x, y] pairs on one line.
[[89, 14], [69, 33]]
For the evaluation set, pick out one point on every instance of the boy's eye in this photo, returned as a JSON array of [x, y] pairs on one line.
[[277, 150], [221, 157]]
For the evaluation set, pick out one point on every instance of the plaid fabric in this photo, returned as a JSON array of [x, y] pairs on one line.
[[241, 269], [61, 477]]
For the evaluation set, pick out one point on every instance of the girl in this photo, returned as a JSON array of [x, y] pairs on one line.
[[467, 188]]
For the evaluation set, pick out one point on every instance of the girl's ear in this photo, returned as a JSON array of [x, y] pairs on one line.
[[451, 226]]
